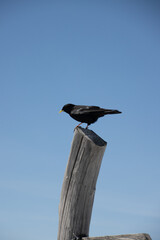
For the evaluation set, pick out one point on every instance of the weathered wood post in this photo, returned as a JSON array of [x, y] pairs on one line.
[[79, 184]]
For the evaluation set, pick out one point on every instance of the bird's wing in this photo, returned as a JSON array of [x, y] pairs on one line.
[[80, 109]]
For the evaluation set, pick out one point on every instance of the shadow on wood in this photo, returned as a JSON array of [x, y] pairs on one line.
[[79, 184]]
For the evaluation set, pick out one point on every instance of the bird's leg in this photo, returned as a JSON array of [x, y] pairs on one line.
[[87, 126], [78, 125]]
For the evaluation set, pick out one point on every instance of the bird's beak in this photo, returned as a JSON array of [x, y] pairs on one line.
[[60, 111]]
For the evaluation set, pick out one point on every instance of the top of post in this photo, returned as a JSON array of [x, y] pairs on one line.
[[91, 136]]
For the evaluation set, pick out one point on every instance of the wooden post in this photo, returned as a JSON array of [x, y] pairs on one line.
[[79, 184], [140, 236]]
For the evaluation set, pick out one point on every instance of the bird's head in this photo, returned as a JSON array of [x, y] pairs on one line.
[[67, 108]]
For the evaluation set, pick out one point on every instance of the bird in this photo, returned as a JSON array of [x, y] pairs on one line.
[[86, 114]]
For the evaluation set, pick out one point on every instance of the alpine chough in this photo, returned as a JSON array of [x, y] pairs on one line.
[[86, 114]]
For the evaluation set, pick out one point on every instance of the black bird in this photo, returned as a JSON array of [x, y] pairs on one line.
[[86, 114]]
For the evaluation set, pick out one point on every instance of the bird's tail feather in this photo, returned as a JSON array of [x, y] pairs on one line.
[[111, 111]]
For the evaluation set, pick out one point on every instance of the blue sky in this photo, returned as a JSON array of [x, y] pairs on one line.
[[103, 53]]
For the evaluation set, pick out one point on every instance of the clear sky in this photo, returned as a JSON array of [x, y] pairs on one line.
[[104, 53]]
